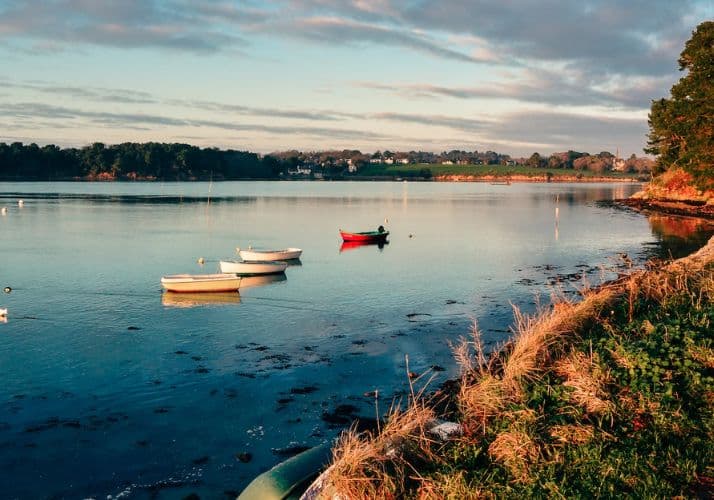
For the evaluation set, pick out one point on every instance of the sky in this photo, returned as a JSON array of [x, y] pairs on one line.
[[511, 76]]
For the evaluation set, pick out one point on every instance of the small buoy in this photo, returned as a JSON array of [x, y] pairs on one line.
[[3, 210], [201, 260], [20, 203], [7, 289]]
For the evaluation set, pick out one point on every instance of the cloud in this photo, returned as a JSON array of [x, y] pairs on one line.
[[341, 31], [97, 94], [126, 24], [84, 119], [544, 87]]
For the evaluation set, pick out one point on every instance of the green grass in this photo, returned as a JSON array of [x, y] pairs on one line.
[[417, 170], [658, 439]]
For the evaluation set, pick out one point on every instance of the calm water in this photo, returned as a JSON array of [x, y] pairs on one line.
[[110, 388]]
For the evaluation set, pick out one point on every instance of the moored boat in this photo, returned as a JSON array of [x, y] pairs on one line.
[[269, 255], [248, 267], [182, 283], [366, 237]]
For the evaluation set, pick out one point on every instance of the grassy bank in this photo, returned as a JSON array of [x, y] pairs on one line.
[[612, 395], [485, 172]]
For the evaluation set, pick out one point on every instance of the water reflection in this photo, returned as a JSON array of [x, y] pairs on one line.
[[352, 245], [173, 299], [262, 280], [679, 236]]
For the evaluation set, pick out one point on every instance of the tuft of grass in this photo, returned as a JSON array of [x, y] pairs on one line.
[[517, 451], [587, 380], [443, 486], [380, 465]]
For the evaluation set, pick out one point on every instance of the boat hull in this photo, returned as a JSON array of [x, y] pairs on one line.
[[201, 283], [367, 237], [247, 268], [269, 255]]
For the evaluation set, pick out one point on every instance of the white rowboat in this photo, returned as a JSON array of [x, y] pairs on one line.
[[269, 255], [201, 283], [252, 267]]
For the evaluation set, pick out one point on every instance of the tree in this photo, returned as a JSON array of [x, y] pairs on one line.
[[535, 161], [682, 127]]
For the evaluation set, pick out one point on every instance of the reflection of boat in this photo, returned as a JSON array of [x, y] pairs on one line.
[[173, 299], [351, 245], [201, 283], [366, 237], [262, 280], [269, 255], [252, 267]]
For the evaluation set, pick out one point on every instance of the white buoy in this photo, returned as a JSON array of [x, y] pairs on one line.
[[20, 203], [3, 210], [201, 260]]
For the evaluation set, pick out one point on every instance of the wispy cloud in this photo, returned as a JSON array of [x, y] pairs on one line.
[[79, 117], [97, 94], [127, 24], [539, 86]]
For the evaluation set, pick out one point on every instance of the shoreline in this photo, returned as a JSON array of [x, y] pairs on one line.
[[572, 351], [510, 179], [688, 208], [497, 179]]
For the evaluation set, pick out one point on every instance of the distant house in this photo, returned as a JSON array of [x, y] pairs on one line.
[[462, 162], [389, 161], [403, 161], [300, 171], [447, 162], [375, 160]]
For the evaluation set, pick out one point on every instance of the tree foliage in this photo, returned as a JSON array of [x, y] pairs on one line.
[[682, 127], [129, 161]]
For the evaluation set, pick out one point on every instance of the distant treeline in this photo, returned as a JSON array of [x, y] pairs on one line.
[[130, 161], [183, 162]]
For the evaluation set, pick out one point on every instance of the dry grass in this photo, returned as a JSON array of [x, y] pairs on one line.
[[450, 487], [487, 390], [379, 466], [587, 380], [704, 355], [516, 451], [572, 434], [480, 401]]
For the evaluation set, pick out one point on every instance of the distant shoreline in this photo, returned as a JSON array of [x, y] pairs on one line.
[[498, 179]]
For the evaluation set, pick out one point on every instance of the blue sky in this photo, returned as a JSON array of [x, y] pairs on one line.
[[510, 76]]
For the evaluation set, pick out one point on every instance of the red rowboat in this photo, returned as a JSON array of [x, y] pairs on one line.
[[366, 237]]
